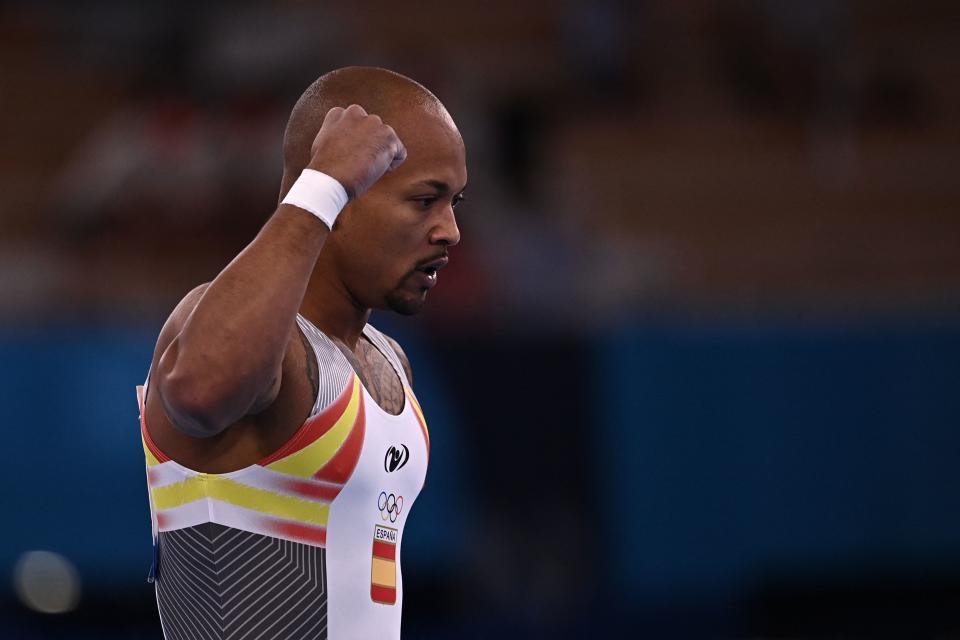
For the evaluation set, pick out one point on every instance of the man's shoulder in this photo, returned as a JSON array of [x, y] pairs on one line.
[[401, 355]]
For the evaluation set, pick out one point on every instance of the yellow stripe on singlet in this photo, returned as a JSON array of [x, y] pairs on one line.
[[151, 459], [419, 412], [310, 459], [227, 490]]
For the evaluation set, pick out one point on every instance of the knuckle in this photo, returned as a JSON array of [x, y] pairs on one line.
[[333, 114]]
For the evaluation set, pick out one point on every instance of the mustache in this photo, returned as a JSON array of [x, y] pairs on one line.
[[432, 259]]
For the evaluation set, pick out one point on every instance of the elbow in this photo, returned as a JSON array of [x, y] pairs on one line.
[[193, 406], [203, 400]]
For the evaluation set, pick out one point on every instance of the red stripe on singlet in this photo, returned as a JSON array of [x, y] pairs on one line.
[[341, 465], [151, 445], [300, 532], [309, 489], [314, 427]]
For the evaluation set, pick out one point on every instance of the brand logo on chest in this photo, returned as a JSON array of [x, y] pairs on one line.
[[395, 459]]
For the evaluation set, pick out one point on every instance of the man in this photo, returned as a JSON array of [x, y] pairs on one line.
[[284, 444]]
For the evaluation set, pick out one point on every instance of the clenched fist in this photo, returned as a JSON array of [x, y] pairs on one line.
[[355, 148]]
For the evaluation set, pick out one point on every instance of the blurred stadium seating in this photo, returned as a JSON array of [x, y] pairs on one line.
[[693, 369]]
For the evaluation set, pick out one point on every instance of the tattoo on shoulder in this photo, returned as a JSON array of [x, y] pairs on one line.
[[313, 374], [404, 362]]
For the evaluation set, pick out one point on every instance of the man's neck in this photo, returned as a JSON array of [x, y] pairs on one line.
[[333, 310]]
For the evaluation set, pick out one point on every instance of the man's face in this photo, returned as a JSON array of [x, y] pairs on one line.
[[390, 242]]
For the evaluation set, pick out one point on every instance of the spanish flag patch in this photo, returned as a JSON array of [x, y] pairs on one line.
[[383, 572]]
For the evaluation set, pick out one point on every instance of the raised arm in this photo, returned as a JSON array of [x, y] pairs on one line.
[[226, 342]]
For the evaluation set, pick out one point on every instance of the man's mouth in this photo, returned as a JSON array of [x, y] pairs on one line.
[[430, 270]]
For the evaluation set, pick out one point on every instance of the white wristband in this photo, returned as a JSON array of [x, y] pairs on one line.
[[319, 194]]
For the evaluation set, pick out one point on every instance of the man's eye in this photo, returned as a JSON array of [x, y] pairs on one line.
[[457, 199], [426, 203]]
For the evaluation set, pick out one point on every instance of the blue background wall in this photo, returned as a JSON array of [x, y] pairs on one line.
[[724, 459], [742, 458]]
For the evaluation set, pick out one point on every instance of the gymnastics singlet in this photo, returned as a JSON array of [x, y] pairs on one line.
[[306, 542]]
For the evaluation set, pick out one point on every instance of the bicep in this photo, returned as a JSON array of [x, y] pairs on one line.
[[166, 350], [173, 325]]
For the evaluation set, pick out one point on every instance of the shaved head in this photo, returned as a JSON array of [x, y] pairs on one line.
[[380, 250], [397, 99]]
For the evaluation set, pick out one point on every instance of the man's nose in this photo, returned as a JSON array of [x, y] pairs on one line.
[[446, 231]]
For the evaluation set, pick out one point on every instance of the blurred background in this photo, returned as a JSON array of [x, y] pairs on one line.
[[693, 372]]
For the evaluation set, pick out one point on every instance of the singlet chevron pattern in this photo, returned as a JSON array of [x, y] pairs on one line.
[[220, 582]]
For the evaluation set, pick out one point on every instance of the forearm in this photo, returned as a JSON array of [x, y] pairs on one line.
[[229, 352]]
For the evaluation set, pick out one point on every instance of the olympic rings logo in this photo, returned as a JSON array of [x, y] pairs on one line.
[[390, 506]]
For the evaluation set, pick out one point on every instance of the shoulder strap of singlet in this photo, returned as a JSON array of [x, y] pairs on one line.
[[380, 341], [333, 369]]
